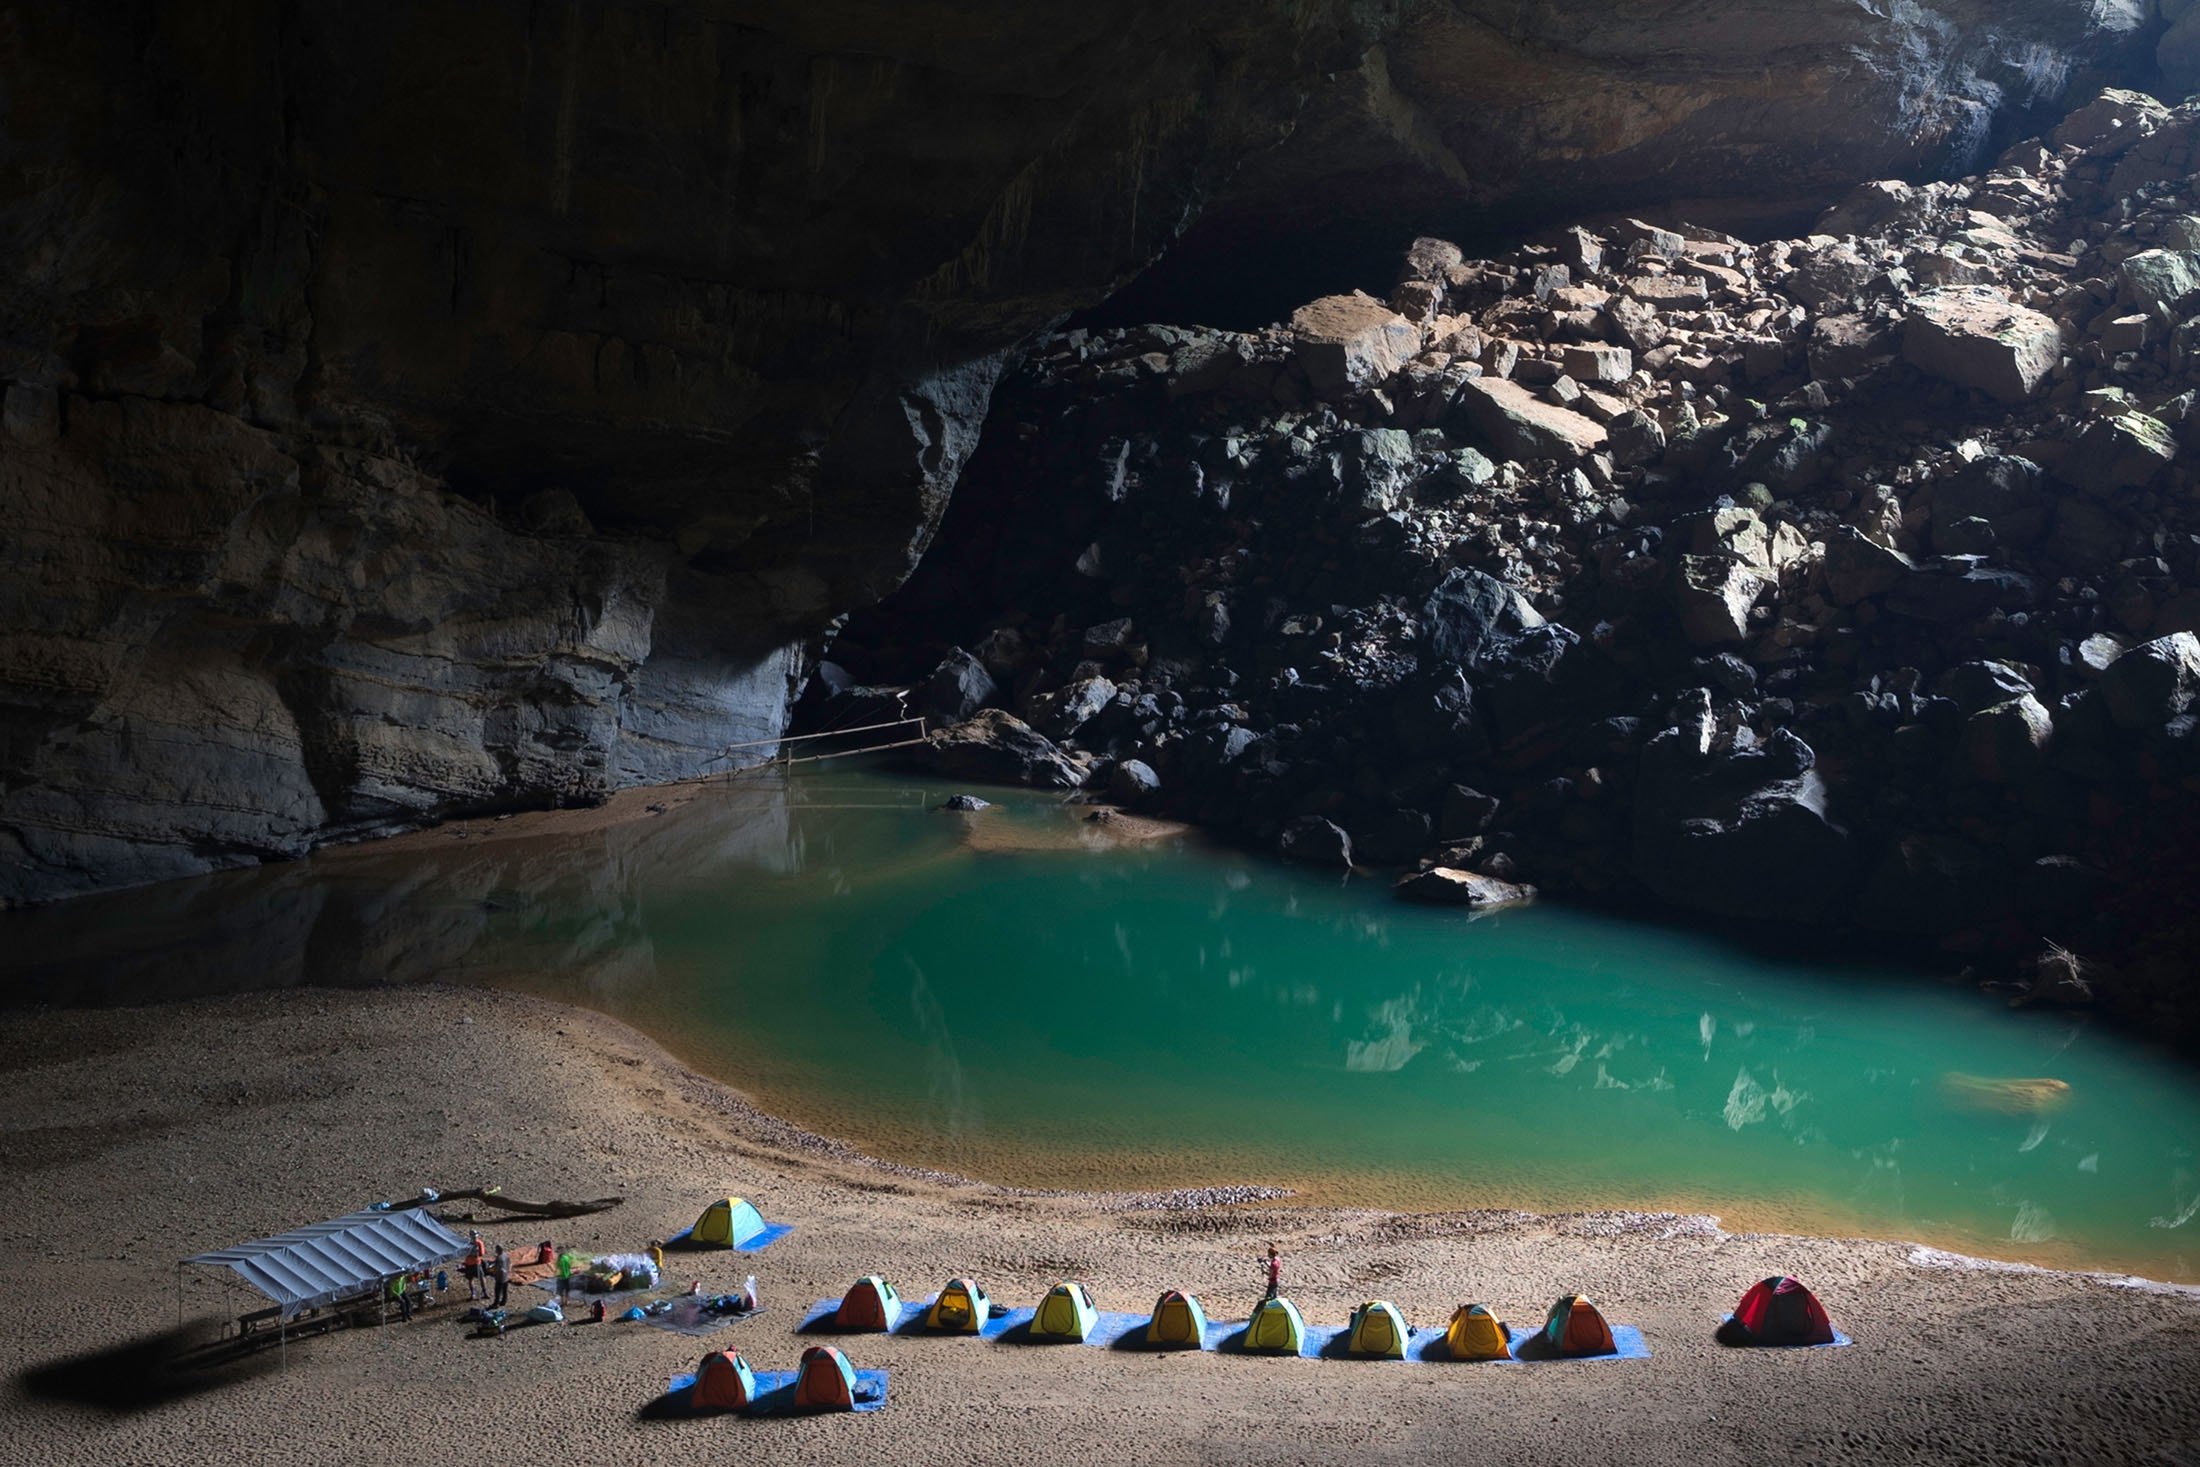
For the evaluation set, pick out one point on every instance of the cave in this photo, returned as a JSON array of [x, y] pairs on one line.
[[1726, 469]]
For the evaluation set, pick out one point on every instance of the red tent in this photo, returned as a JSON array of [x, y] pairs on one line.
[[1780, 1311]]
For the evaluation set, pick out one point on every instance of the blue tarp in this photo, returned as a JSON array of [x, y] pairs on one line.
[[772, 1233]]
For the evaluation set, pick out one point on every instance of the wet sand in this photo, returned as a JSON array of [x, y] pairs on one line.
[[134, 1137]]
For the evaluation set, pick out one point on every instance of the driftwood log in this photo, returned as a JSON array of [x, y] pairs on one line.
[[506, 1206]]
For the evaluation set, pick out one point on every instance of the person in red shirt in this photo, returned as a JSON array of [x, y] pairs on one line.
[[1275, 1271]]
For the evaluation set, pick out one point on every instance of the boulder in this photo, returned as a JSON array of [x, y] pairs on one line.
[[2110, 123], [1598, 363], [1771, 547], [2153, 682], [1471, 615], [999, 747], [1849, 346], [2115, 454], [1974, 686], [2007, 742], [1869, 208], [1316, 842], [1736, 837], [1715, 594], [1636, 438], [1132, 782], [1350, 341], [1857, 569], [1444, 886], [1465, 812], [2008, 493], [1064, 711], [1521, 426], [964, 804], [2160, 282], [1976, 336], [957, 688]]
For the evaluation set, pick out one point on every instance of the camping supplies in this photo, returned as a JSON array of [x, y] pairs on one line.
[[547, 1312]]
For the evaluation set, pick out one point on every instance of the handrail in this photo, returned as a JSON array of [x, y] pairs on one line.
[[784, 759], [830, 733]]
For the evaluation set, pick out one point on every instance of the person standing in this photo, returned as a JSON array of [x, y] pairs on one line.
[[501, 1269], [477, 1271], [397, 1291], [1275, 1271], [565, 1276]]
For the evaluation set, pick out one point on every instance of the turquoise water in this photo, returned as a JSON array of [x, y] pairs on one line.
[[1003, 995]]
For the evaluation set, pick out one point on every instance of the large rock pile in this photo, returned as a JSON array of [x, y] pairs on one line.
[[1847, 579]]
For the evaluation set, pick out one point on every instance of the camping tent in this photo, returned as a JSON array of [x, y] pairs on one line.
[[960, 1309], [870, 1303], [825, 1381], [339, 1259], [1177, 1321], [1378, 1331], [1476, 1334], [1066, 1313], [1576, 1328], [723, 1382], [1277, 1327], [1780, 1311], [728, 1222]]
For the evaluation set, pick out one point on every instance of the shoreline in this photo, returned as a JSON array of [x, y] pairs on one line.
[[324, 1100]]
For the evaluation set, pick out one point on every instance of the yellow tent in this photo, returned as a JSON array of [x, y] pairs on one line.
[[961, 1308], [1378, 1331], [1477, 1334], [728, 1222]]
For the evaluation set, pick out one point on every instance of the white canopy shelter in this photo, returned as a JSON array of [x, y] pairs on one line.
[[338, 1259]]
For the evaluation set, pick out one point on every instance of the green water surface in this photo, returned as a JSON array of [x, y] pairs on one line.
[[1169, 1013], [996, 995]]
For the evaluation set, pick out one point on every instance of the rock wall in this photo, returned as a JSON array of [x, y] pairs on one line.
[[412, 407]]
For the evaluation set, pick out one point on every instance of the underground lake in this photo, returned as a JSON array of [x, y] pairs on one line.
[[1033, 998]]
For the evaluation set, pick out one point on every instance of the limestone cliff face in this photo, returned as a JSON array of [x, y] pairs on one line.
[[411, 406]]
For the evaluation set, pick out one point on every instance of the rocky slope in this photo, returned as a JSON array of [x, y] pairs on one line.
[[1848, 580], [410, 407]]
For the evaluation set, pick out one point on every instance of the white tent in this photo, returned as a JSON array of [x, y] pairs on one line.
[[338, 1259]]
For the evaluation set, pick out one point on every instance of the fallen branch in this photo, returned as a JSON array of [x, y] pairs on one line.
[[510, 1206]]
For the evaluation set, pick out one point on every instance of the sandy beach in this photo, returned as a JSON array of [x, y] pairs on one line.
[[134, 1137]]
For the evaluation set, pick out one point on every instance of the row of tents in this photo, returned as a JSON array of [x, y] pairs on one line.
[[1777, 1311]]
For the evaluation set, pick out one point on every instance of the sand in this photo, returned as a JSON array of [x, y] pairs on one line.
[[135, 1137]]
